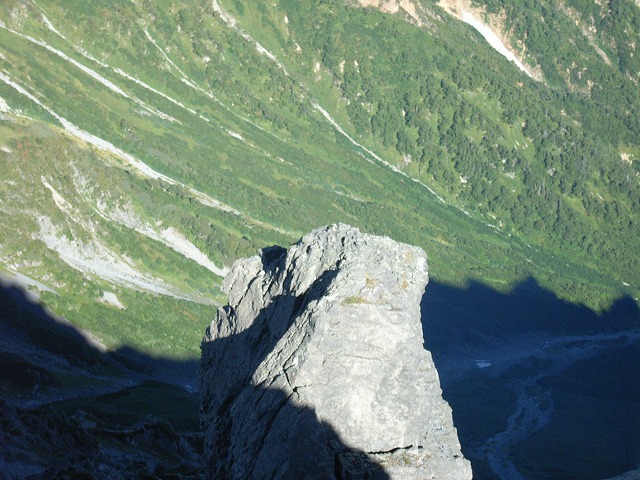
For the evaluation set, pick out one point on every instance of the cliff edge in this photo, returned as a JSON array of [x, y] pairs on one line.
[[316, 369]]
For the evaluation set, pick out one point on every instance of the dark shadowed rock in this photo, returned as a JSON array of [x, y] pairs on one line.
[[316, 368]]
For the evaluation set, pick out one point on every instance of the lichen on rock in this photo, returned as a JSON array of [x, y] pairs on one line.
[[316, 368]]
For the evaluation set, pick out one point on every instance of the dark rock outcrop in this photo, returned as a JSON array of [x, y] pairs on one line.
[[316, 368]]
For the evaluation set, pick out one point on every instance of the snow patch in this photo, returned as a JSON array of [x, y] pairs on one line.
[[229, 20], [169, 237], [24, 281], [92, 73], [110, 298], [150, 88], [178, 242], [51, 27], [209, 201], [64, 206], [235, 135], [335, 124], [164, 54], [493, 40], [4, 106]]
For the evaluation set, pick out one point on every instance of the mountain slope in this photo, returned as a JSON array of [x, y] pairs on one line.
[[148, 145]]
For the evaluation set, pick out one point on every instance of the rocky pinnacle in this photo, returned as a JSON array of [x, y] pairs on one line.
[[316, 368]]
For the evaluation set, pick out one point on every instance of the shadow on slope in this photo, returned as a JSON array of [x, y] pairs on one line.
[[71, 409], [260, 432], [476, 316], [537, 383]]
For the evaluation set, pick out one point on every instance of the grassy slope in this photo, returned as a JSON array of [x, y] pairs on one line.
[[289, 172]]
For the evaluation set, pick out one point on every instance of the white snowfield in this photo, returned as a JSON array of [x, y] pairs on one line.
[[4, 106], [493, 40], [111, 298], [178, 242]]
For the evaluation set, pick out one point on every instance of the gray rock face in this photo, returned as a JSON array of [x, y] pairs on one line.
[[316, 368]]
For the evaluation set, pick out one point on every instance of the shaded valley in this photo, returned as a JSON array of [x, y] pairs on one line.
[[540, 388], [71, 409]]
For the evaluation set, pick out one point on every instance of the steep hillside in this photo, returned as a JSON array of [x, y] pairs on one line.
[[147, 145], [533, 158]]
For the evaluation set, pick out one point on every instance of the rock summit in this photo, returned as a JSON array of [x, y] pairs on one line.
[[316, 368]]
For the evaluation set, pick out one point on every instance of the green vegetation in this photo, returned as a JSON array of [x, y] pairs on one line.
[[355, 300], [535, 159], [534, 166], [135, 404]]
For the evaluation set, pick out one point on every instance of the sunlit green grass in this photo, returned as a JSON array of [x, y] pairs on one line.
[[291, 171]]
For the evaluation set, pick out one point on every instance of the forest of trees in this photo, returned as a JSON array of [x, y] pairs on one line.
[[538, 157]]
